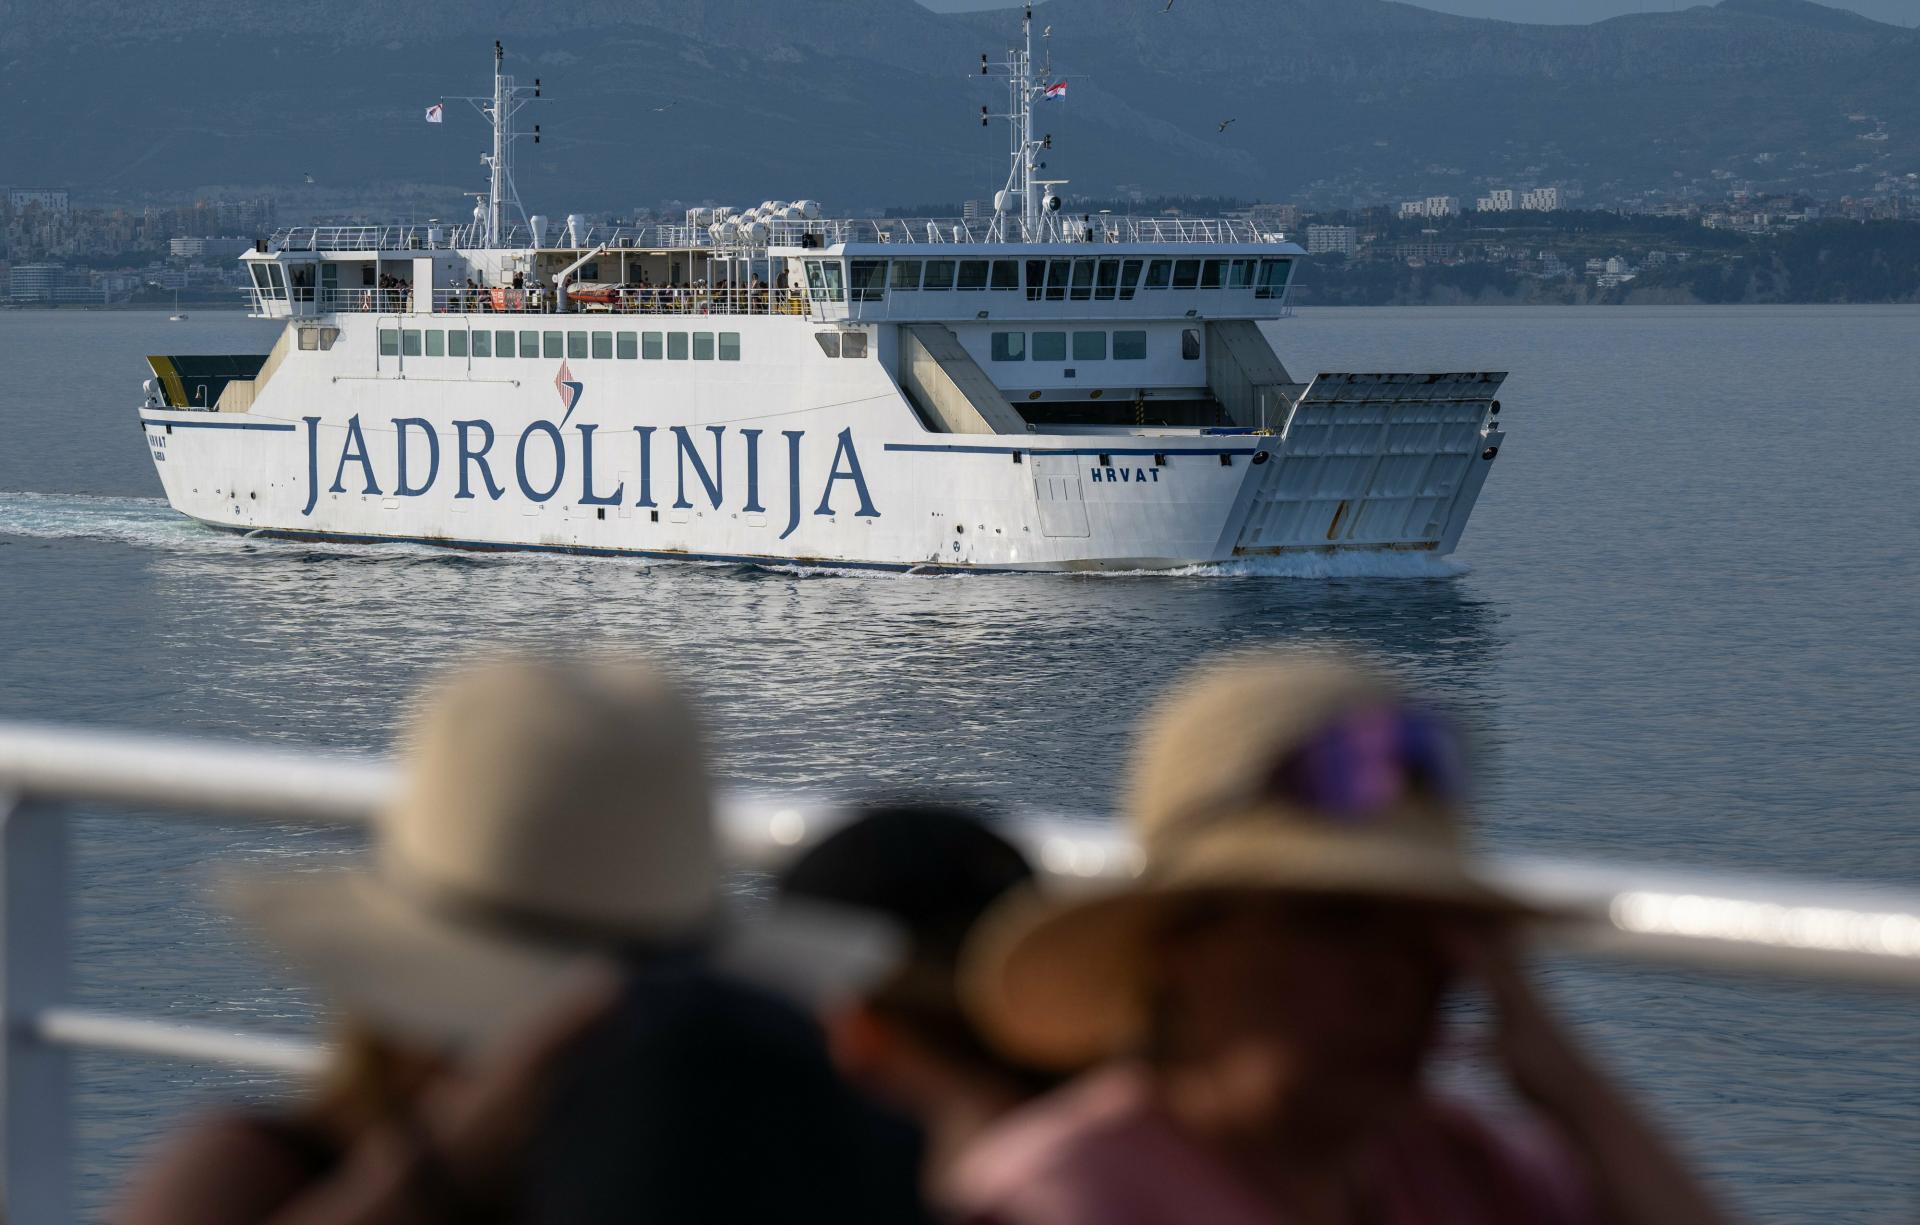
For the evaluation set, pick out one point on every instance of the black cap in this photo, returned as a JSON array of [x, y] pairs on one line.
[[931, 868]]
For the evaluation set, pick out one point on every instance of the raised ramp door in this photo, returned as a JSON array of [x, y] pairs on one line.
[[1374, 460], [1057, 494], [949, 386]]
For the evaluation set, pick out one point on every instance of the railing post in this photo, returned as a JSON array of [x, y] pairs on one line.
[[36, 1089]]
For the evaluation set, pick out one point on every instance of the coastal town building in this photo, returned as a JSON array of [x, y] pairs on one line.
[[1332, 239]]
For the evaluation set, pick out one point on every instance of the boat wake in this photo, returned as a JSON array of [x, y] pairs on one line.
[[151, 523]]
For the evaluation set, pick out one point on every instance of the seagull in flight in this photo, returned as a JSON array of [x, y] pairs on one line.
[[309, 176], [1167, 9], [1226, 123]]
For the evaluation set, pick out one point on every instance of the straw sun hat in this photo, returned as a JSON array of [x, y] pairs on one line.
[[548, 815], [1061, 980]]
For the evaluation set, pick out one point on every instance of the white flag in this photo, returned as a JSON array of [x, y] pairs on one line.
[[434, 113]]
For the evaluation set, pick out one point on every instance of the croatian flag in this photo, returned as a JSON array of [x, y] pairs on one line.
[[435, 113], [1057, 90]]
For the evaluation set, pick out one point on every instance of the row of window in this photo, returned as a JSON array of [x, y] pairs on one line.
[[1052, 280], [625, 346], [1087, 346]]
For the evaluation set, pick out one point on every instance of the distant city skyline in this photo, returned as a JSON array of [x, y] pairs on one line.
[[1552, 12]]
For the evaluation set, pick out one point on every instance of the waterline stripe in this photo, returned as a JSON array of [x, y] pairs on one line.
[[959, 449], [288, 427]]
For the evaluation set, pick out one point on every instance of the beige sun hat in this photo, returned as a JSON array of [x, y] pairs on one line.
[[1058, 980], [550, 815]]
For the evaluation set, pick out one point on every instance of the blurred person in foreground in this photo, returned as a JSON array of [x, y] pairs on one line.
[[1265, 997], [542, 1023], [931, 870]]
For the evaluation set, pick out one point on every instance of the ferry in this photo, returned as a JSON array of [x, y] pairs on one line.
[[1031, 390]]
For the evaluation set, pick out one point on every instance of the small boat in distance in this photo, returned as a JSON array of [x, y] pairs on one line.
[[178, 315], [1028, 390]]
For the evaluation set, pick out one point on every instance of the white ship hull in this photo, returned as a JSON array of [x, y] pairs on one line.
[[788, 456]]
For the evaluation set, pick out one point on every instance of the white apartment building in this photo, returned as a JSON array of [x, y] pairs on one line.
[[1497, 201], [1442, 206], [1541, 199], [1332, 239]]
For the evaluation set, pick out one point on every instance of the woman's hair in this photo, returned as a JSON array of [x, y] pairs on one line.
[[372, 1079]]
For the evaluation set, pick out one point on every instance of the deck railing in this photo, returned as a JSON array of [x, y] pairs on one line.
[[1772, 926], [1104, 228]]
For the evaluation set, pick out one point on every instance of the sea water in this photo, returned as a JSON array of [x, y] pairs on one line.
[[1682, 622]]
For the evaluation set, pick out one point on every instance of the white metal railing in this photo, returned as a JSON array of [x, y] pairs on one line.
[[623, 300], [1781, 927], [822, 232]]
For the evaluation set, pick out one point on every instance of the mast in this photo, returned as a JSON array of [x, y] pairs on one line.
[[1023, 90], [499, 111]]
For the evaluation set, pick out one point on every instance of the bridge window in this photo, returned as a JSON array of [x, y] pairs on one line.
[[853, 344], [1009, 346], [1108, 281], [1210, 274], [906, 274], [869, 280], [703, 346], [973, 274], [1082, 280], [603, 345], [389, 342], [1058, 272], [1240, 276], [652, 346], [529, 344], [729, 346], [410, 342], [1158, 273], [1006, 274], [552, 344], [503, 344], [456, 344], [829, 343], [1190, 344], [1273, 278], [939, 274], [1129, 277], [436, 343], [483, 344], [1050, 346], [816, 280], [576, 344], [1129, 346], [1036, 279], [1089, 346], [1186, 273], [676, 346], [836, 287], [626, 346]]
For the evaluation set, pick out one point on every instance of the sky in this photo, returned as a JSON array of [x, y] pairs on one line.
[[1899, 12]]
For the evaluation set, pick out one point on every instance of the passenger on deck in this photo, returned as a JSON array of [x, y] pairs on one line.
[[932, 870], [1266, 997], [538, 1025]]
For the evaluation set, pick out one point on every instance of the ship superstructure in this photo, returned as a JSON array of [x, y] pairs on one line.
[[1031, 390]]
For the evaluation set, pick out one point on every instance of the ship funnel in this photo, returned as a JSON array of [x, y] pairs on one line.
[[538, 224]]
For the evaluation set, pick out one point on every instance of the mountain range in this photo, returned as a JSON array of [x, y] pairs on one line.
[[863, 103]]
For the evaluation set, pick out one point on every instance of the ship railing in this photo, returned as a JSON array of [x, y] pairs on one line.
[[1779, 927], [624, 300], [1056, 228]]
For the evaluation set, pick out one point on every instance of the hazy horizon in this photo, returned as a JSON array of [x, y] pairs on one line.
[[1548, 12]]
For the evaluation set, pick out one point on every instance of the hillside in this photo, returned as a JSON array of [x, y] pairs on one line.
[[867, 102]]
